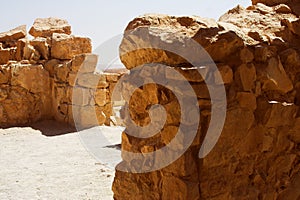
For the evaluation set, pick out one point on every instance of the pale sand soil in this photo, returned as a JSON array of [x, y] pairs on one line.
[[35, 166]]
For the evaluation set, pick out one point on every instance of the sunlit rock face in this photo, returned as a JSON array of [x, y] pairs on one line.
[[39, 76], [293, 4], [256, 51]]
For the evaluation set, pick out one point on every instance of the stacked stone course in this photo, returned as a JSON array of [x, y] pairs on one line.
[[38, 77], [257, 155]]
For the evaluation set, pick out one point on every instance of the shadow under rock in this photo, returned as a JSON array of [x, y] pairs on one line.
[[53, 128]]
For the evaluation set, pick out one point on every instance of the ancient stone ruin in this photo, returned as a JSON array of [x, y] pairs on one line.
[[257, 156], [256, 54], [38, 77]]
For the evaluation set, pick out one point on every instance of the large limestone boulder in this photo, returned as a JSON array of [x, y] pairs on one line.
[[67, 46], [45, 27], [156, 38]]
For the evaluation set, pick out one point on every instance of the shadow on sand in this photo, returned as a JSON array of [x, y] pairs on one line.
[[53, 128]]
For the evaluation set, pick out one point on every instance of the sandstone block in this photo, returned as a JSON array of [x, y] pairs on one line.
[[84, 63], [45, 27], [66, 46], [246, 55], [278, 79], [41, 45], [21, 107], [294, 133], [246, 73], [4, 56], [112, 77], [176, 188], [34, 78], [51, 66], [290, 60], [90, 80], [225, 75], [191, 74], [14, 34], [100, 97], [292, 4], [89, 116], [247, 100], [81, 96], [262, 53], [148, 30], [282, 8], [20, 49], [280, 115], [72, 79], [62, 72], [5, 74]]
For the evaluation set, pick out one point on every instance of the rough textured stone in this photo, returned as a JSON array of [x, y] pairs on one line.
[[5, 74], [246, 73], [66, 46], [35, 86], [225, 77], [31, 77], [84, 63], [147, 30], [45, 27], [256, 50], [277, 77], [41, 45], [4, 56], [293, 4], [14, 34], [247, 100]]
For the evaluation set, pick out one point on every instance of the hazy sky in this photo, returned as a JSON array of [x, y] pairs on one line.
[[99, 19]]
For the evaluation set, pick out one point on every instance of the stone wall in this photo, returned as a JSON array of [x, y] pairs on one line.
[[257, 156], [39, 76]]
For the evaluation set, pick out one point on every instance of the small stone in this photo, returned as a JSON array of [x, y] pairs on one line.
[[277, 75], [112, 77], [84, 62], [5, 75], [88, 80], [4, 56], [51, 66], [247, 75], [100, 97], [41, 45], [3, 94], [226, 75]]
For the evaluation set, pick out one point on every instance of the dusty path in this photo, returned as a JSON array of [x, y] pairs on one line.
[[35, 166]]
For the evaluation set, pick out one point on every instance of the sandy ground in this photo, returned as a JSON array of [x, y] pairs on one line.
[[34, 164]]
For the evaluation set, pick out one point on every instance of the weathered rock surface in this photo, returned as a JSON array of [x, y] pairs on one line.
[[14, 34], [66, 46], [257, 54], [38, 77], [280, 4], [45, 27]]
